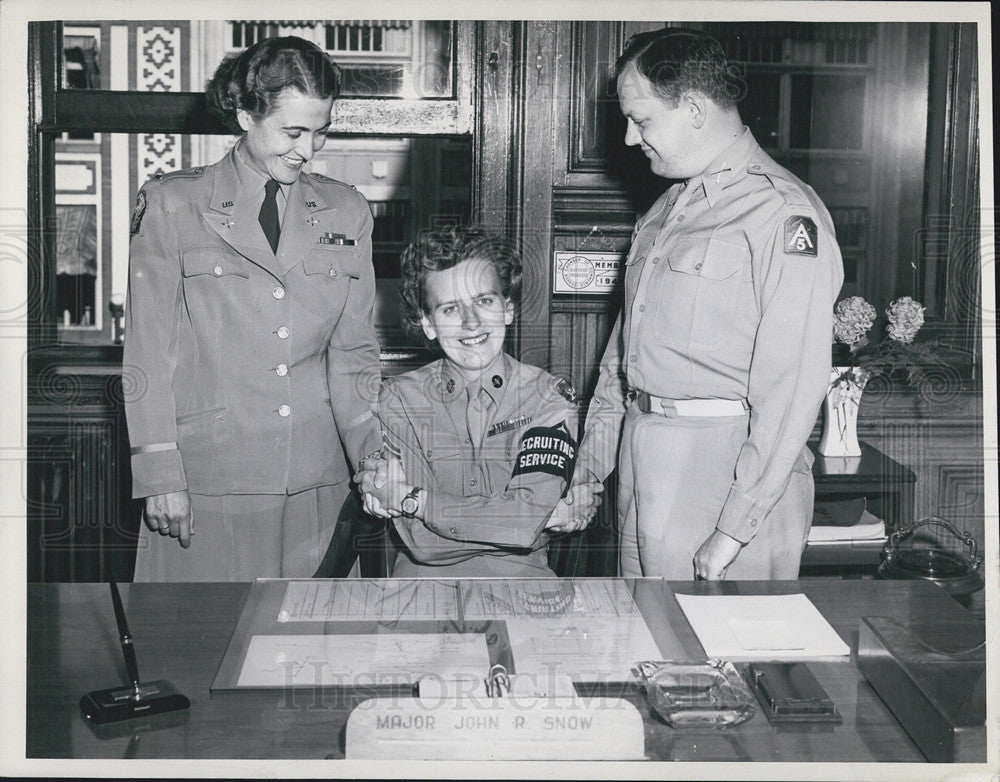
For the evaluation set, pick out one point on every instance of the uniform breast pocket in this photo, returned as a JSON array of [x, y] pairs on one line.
[[445, 464], [334, 262], [333, 269], [707, 284], [213, 263], [331, 275]]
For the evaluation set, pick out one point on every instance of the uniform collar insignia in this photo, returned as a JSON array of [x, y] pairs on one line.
[[494, 380], [727, 165]]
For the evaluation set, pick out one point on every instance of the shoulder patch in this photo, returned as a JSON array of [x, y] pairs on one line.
[[547, 449], [566, 390], [137, 212], [800, 236]]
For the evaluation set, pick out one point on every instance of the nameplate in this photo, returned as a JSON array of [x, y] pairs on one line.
[[508, 728]]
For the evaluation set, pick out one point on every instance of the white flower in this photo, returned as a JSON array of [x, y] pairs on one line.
[[852, 318], [906, 316]]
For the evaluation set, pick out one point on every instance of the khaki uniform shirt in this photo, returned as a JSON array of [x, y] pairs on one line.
[[729, 292], [492, 484], [243, 366]]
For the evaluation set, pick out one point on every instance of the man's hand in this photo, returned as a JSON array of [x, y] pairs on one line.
[[383, 486], [371, 477], [372, 473], [714, 556], [577, 509], [170, 514]]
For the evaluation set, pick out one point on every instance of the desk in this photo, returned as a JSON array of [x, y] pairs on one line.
[[181, 632], [888, 487]]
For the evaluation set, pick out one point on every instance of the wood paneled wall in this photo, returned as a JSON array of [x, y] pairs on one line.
[[82, 523]]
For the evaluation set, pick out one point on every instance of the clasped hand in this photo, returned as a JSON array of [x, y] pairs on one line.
[[577, 509], [383, 485]]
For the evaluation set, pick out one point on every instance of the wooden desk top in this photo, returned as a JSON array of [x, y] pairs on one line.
[[848, 471], [181, 632]]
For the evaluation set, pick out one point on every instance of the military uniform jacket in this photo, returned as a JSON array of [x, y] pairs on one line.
[[729, 291], [491, 491], [241, 366]]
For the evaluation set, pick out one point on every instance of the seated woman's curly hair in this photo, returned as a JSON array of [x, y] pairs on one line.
[[253, 79], [438, 249]]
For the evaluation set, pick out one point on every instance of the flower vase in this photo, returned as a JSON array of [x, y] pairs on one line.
[[840, 412]]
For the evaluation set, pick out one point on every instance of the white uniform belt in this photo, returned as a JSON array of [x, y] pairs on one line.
[[648, 403]]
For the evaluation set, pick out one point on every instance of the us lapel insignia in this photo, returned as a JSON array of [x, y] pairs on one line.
[[508, 425]]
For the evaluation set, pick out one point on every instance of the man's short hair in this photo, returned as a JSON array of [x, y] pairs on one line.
[[438, 249], [676, 60]]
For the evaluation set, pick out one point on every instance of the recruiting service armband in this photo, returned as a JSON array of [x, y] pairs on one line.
[[548, 449]]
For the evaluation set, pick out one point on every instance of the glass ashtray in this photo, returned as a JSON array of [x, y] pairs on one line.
[[708, 694]]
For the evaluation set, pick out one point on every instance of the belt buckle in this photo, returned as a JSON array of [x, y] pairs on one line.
[[640, 399]]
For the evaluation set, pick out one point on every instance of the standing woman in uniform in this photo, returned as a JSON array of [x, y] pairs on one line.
[[250, 335]]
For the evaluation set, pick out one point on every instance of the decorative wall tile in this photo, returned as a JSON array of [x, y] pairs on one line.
[[158, 55]]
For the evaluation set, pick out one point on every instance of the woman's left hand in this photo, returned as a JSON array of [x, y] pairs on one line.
[[383, 498]]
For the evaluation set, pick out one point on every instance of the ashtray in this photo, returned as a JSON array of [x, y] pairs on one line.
[[686, 695]]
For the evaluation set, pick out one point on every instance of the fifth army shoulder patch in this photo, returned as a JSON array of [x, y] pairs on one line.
[[800, 236]]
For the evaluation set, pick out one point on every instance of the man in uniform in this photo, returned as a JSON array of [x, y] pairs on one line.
[[724, 338]]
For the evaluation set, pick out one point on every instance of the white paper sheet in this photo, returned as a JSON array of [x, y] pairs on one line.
[[869, 528], [594, 649], [363, 659], [761, 627], [358, 599]]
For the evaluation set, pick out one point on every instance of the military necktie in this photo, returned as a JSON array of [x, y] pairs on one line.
[[268, 216], [477, 414]]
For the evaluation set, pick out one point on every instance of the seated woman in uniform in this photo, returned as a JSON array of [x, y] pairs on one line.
[[479, 448]]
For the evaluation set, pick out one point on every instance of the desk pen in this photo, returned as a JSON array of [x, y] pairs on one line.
[[128, 650], [117, 704]]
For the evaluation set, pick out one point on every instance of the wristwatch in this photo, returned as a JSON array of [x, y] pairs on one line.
[[410, 502]]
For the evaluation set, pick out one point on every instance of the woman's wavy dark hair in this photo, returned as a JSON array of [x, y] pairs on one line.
[[438, 249], [676, 60], [253, 79]]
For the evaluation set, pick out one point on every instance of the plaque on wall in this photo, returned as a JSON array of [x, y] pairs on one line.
[[590, 273]]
